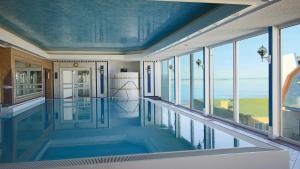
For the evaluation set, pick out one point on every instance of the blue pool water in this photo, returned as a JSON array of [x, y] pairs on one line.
[[90, 127]]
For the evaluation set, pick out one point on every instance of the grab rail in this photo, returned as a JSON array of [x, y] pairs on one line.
[[126, 89], [295, 109]]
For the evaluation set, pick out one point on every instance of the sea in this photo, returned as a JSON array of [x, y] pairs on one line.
[[223, 88]]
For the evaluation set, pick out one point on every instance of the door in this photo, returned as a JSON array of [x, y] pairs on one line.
[[75, 83], [102, 79]]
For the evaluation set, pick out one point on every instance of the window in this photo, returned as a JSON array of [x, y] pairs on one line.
[[222, 62], [253, 83], [184, 84], [28, 79], [165, 80], [168, 80], [290, 82], [172, 79], [198, 81]]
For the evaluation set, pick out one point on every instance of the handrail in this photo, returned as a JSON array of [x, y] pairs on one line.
[[295, 109], [121, 107], [126, 89]]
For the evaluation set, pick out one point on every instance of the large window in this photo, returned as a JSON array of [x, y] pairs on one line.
[[290, 81], [222, 62], [168, 80], [165, 80], [172, 79], [198, 81], [184, 84], [253, 83], [28, 79]]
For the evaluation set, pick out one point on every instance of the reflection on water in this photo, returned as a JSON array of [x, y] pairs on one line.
[[65, 129]]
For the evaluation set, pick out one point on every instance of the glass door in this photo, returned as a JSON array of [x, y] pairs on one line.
[[67, 84], [75, 83], [83, 83]]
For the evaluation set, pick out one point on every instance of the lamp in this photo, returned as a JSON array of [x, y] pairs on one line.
[[262, 51], [199, 63]]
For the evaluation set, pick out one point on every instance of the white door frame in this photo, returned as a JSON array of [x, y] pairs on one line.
[[73, 88]]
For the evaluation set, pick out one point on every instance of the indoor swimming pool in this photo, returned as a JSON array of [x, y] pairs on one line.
[[64, 129]]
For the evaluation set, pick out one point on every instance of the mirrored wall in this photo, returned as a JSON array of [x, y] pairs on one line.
[[29, 79]]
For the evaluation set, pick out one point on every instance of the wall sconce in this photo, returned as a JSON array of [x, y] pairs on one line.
[[262, 51], [199, 63], [75, 64], [170, 67]]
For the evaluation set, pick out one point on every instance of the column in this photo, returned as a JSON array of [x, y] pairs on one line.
[[236, 81], [177, 80], [191, 80], [274, 83], [206, 62]]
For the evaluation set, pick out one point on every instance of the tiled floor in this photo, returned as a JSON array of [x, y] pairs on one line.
[[294, 154]]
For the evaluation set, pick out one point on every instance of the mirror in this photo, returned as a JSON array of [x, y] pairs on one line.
[[28, 79]]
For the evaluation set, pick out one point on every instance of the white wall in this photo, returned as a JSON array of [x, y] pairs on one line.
[[114, 67]]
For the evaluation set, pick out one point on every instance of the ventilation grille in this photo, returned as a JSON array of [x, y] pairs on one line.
[[72, 162], [115, 159]]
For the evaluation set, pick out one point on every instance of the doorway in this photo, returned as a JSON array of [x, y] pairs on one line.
[[75, 83]]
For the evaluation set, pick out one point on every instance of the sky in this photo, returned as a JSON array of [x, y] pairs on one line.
[[290, 40]]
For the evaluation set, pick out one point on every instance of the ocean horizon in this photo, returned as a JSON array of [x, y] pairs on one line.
[[223, 88]]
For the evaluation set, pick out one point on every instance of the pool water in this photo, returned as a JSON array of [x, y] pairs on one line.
[[91, 127]]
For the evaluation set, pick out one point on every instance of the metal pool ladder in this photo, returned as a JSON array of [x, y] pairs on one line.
[[124, 85]]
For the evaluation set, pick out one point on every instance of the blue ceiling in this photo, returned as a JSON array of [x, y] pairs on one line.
[[101, 25]]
